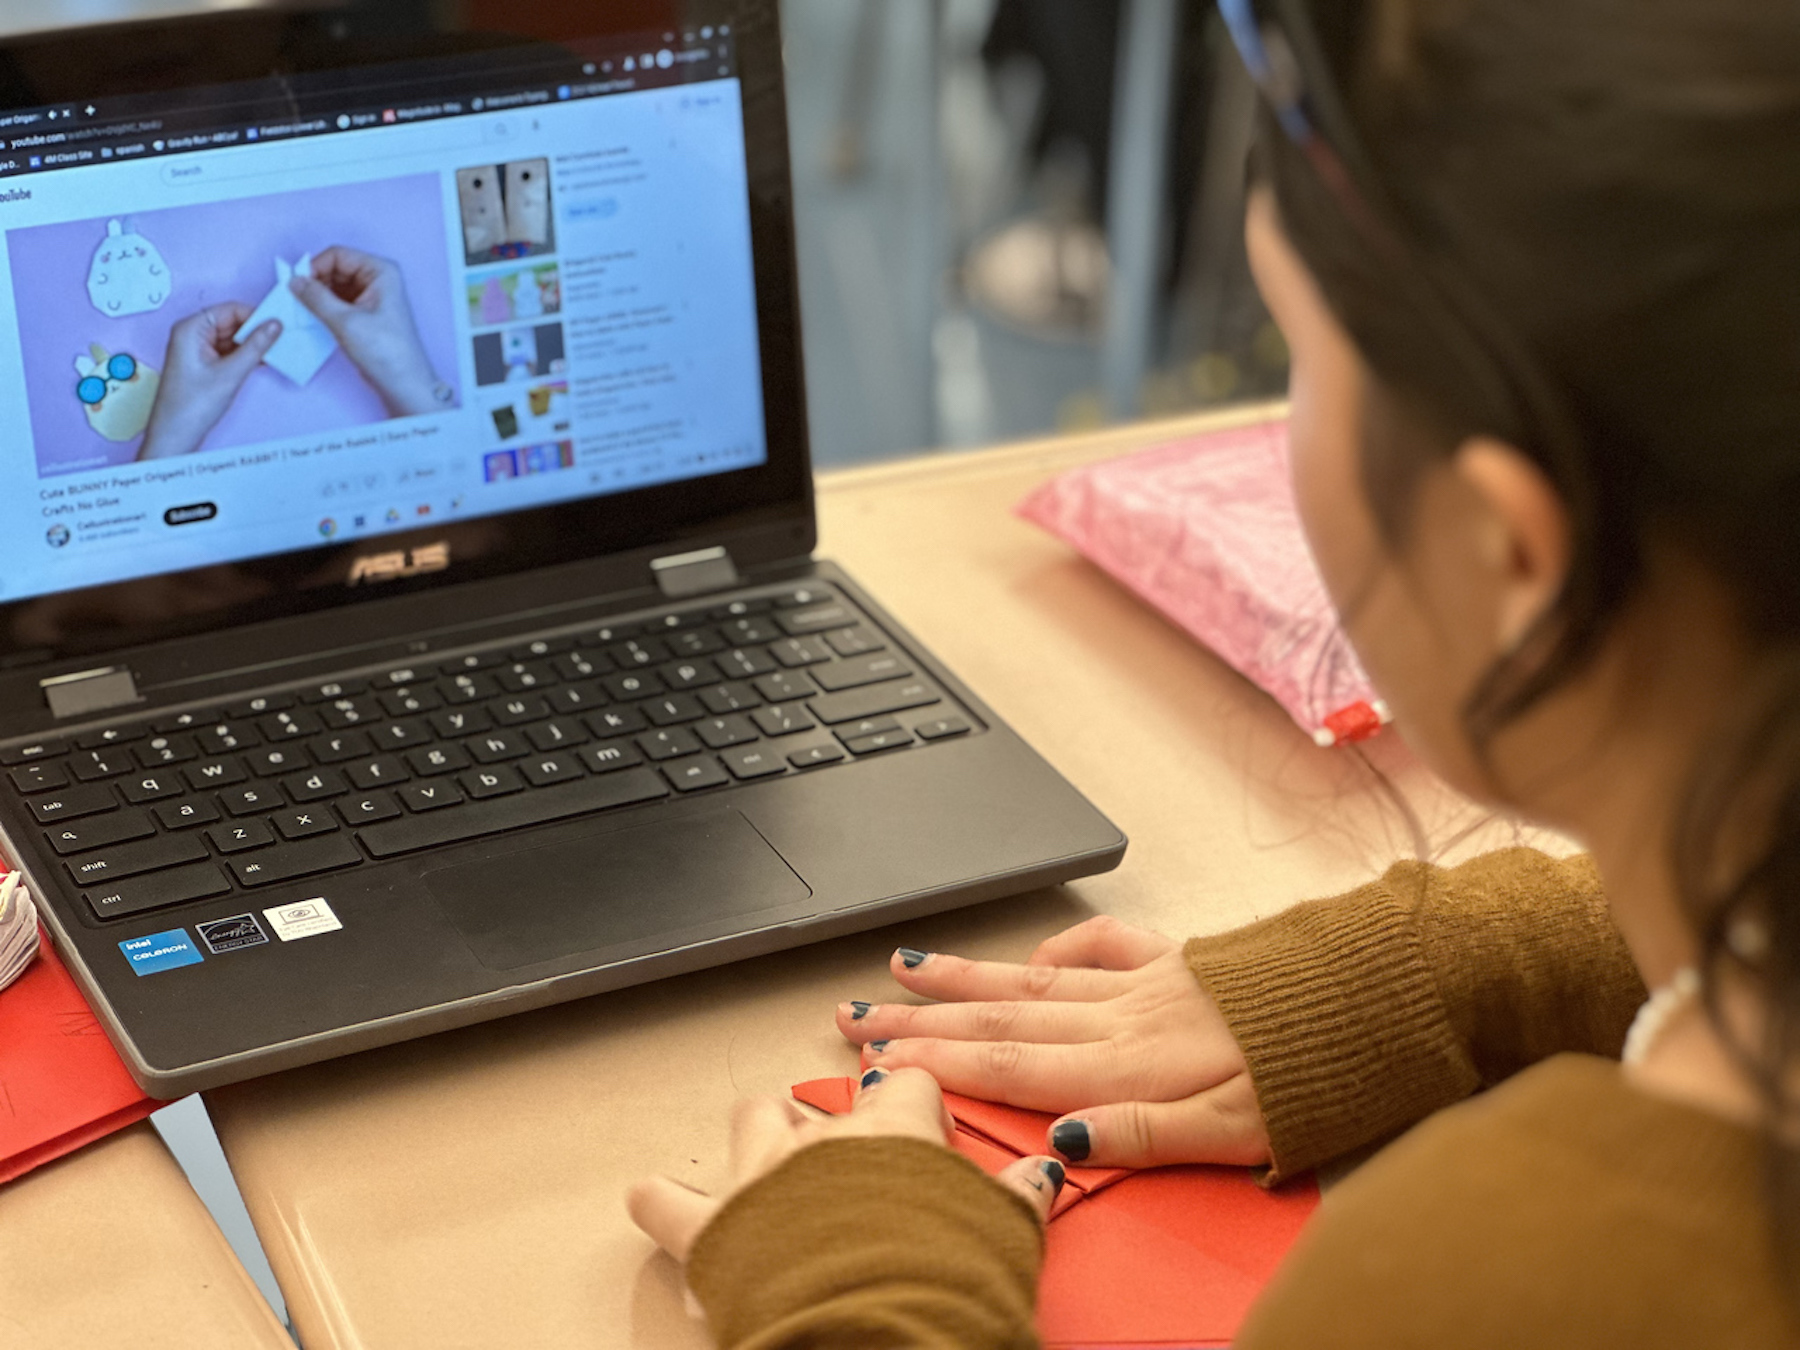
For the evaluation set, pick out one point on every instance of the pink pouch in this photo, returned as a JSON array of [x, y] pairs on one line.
[[1206, 531]]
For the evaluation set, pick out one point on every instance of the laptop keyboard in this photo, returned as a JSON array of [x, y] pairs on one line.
[[316, 778]]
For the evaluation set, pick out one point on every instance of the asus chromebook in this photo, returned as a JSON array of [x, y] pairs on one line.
[[407, 613]]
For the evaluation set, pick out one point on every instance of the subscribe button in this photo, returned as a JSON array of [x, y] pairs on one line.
[[190, 515]]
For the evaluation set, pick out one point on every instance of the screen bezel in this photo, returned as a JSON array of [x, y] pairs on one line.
[[764, 510]]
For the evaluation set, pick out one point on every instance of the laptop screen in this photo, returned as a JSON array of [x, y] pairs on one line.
[[295, 302]]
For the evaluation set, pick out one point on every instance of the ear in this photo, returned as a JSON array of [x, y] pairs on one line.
[[1525, 532]]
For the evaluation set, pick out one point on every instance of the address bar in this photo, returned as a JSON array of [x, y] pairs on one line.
[[496, 135]]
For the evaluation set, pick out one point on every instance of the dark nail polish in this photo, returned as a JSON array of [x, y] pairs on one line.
[[872, 1077], [1070, 1138], [1054, 1171], [858, 1010], [878, 1046], [912, 959]]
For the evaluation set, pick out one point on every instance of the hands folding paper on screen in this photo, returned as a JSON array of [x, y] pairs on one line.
[[1169, 1257], [306, 344]]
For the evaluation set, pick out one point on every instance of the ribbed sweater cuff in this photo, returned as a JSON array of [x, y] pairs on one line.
[[871, 1242], [1340, 1020]]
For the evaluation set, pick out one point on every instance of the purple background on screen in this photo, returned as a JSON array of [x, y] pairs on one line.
[[217, 252]]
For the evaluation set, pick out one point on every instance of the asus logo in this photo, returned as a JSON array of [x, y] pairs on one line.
[[393, 566]]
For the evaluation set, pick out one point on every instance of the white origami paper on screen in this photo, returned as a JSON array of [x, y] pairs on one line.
[[128, 275], [305, 344]]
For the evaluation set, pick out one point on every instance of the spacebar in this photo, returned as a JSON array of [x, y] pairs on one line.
[[511, 813]]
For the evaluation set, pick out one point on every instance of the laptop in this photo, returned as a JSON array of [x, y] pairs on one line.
[[409, 614]]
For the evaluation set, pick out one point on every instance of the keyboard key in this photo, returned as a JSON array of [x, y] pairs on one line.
[[118, 827], [673, 709], [632, 685], [744, 662], [432, 796], [738, 608], [459, 722], [637, 652], [261, 705], [405, 675], [857, 641], [332, 689], [100, 740], [783, 719], [126, 860], [698, 642], [804, 651], [805, 595], [586, 665], [152, 787], [467, 689], [615, 722], [176, 887], [253, 800], [690, 775], [24, 754], [74, 803], [669, 623], [857, 671], [297, 860], [241, 836], [720, 732], [668, 744], [214, 773], [182, 815], [304, 823], [510, 813], [815, 755], [881, 740], [161, 750], [941, 728], [91, 766], [577, 697], [612, 755], [868, 726], [522, 676], [689, 674], [548, 769], [343, 713], [499, 745], [610, 633], [539, 648], [405, 702], [753, 763], [749, 632], [512, 712], [287, 726], [728, 698], [474, 661], [276, 760], [187, 721], [496, 781], [557, 734], [871, 700], [378, 772], [34, 778], [315, 786], [785, 686], [428, 761], [340, 746], [400, 735], [222, 738], [368, 808], [815, 618]]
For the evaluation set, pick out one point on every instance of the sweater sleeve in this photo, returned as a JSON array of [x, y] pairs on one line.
[[1361, 1015], [867, 1244]]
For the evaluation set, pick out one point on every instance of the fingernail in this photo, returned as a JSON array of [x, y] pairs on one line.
[[1054, 1171], [1070, 1138], [878, 1046], [873, 1077], [859, 1010], [912, 959]]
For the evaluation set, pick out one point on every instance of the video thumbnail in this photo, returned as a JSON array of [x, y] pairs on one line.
[[501, 465], [507, 211], [520, 354], [509, 296]]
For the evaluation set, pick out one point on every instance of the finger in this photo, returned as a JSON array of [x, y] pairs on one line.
[[762, 1133], [670, 1213], [906, 1102], [321, 299], [249, 354], [1046, 1022], [1038, 1180], [1104, 942], [346, 271], [1019, 1073], [942, 976], [1220, 1125]]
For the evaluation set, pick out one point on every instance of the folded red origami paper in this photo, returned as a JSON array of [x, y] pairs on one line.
[[1132, 1260]]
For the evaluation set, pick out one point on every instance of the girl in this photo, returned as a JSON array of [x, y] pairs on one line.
[[1538, 262]]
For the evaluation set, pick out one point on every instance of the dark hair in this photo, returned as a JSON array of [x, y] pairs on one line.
[[1617, 184]]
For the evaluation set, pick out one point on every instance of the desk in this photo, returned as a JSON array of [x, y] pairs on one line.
[[110, 1248], [465, 1190]]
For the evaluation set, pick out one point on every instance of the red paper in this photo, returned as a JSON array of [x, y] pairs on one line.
[[62, 1084], [1133, 1260]]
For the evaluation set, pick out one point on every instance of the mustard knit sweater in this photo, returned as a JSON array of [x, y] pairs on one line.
[[1563, 1207]]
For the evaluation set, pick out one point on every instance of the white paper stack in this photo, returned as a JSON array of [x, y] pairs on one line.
[[18, 929]]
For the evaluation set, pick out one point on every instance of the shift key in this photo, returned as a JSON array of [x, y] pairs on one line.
[[127, 860], [872, 700]]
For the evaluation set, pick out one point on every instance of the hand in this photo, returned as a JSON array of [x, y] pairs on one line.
[[767, 1131], [362, 300], [1106, 1025], [202, 375]]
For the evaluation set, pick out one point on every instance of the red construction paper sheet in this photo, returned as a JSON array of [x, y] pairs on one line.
[[62, 1084], [1132, 1260]]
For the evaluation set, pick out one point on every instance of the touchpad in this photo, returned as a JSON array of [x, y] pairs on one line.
[[610, 890]]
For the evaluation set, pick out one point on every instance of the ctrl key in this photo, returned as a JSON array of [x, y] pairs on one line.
[[175, 887]]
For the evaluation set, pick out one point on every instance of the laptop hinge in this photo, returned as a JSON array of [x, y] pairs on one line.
[[90, 691], [685, 574]]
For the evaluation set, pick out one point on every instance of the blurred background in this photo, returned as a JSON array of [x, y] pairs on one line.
[[1015, 216]]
